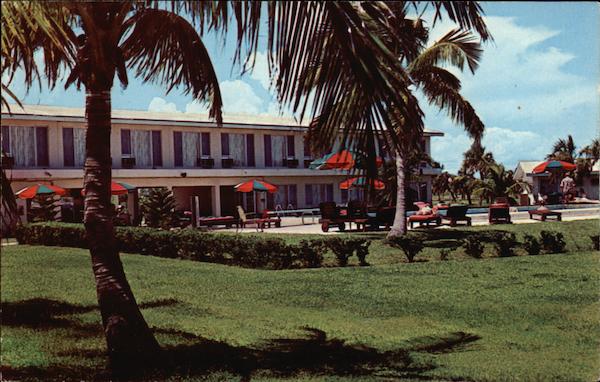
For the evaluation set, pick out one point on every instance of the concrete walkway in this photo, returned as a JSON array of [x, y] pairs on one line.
[[294, 225]]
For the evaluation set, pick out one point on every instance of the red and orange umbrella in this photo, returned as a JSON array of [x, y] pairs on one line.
[[256, 185], [342, 160], [40, 189], [118, 188], [361, 181], [553, 165]]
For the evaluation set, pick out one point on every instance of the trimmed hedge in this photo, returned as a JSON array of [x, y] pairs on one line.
[[242, 250]]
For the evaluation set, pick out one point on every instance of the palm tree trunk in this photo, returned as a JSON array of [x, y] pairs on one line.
[[130, 342], [399, 226]]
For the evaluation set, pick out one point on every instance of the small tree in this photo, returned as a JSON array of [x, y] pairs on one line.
[[47, 210], [158, 208], [411, 245]]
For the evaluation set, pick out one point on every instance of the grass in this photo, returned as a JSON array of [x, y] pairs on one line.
[[522, 318]]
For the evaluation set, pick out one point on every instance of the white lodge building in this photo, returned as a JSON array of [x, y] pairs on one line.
[[185, 152]]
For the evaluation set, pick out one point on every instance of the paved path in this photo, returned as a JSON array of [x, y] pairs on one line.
[[294, 225]]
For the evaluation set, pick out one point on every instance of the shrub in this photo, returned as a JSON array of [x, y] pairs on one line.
[[553, 242], [411, 245], [596, 242], [158, 208], [344, 248], [505, 244], [473, 247], [309, 254], [246, 250], [531, 245]]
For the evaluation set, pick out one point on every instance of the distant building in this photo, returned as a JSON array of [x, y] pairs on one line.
[[546, 183], [185, 152]]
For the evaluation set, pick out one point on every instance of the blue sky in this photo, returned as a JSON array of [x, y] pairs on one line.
[[537, 82]]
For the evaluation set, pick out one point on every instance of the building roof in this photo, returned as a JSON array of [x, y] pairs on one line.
[[527, 165], [139, 116]]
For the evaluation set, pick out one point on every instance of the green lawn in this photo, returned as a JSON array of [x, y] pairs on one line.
[[511, 319]]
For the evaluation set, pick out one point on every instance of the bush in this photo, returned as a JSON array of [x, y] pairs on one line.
[[531, 245], [553, 242], [473, 247], [411, 245], [158, 208], [505, 244], [246, 250], [596, 242], [344, 248]]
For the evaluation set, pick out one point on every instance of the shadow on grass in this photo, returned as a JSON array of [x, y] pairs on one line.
[[315, 354]]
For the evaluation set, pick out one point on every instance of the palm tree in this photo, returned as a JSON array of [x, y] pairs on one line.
[[158, 45], [476, 160], [343, 56], [499, 182], [441, 185], [9, 205], [351, 98], [564, 149], [591, 151]]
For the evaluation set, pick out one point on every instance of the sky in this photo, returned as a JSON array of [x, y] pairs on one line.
[[538, 81]]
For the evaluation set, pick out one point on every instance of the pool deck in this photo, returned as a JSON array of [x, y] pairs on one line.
[[294, 225]]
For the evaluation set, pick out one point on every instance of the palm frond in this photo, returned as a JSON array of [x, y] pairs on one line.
[[456, 47], [163, 47], [467, 14]]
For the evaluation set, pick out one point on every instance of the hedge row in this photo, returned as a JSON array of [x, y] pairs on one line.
[[242, 250]]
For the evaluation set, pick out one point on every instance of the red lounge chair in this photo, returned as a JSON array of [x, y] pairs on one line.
[[499, 212], [260, 223], [425, 219], [544, 213]]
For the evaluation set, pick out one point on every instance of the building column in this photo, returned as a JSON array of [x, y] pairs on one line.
[[216, 200]]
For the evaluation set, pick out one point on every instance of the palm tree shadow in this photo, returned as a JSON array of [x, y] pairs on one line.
[[314, 354]]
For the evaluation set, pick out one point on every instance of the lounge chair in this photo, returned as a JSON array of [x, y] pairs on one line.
[[427, 219], [456, 214], [259, 222], [384, 217], [330, 215], [499, 211], [227, 221], [543, 213]]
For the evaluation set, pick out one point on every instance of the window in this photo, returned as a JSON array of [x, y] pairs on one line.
[[27, 145], [291, 147], [250, 161], [73, 147], [143, 145], [189, 147], [233, 146], [276, 150], [317, 193], [286, 197]]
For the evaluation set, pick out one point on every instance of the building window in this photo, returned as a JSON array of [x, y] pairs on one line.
[[190, 147], [315, 194], [285, 198], [233, 146], [27, 145], [143, 145], [250, 159], [73, 147], [276, 150]]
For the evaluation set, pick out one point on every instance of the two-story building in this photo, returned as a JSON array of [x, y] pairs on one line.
[[186, 152]]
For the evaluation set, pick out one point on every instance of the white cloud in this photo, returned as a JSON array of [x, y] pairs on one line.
[[260, 72], [508, 147], [196, 107], [160, 105], [238, 97], [523, 82]]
